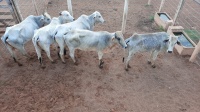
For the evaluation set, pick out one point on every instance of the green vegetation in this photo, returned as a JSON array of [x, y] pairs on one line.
[[147, 5], [151, 18], [161, 28], [193, 34]]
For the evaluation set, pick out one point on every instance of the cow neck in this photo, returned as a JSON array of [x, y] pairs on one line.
[[37, 19], [60, 20], [112, 44], [91, 21]]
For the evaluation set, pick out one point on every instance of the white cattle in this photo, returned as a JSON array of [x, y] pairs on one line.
[[43, 37], [16, 36], [154, 43], [92, 41], [83, 22]]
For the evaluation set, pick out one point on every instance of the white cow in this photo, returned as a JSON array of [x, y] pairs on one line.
[[83, 22], [43, 37], [92, 41], [153, 42], [16, 36]]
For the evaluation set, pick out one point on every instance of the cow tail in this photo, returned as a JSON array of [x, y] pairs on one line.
[[54, 35], [35, 41], [127, 41], [124, 56], [4, 38]]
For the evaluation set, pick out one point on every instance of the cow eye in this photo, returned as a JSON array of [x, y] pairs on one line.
[[48, 19], [118, 39], [99, 16], [178, 43]]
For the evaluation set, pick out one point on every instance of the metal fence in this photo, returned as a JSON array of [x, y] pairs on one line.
[[14, 11], [188, 16], [30, 7]]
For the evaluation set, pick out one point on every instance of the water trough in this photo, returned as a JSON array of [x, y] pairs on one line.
[[187, 45], [163, 19]]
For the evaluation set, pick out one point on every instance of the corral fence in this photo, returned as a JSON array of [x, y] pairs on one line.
[[14, 11], [184, 13]]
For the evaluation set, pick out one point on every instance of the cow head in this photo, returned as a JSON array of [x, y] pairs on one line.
[[45, 19], [119, 38], [65, 17], [97, 17], [172, 40]]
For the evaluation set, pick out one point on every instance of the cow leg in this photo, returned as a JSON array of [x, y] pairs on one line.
[[12, 54], [100, 55], [151, 57], [23, 51], [71, 50], [154, 56], [61, 46], [130, 54], [47, 50], [38, 51]]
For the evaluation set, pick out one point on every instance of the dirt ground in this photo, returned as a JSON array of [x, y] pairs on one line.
[[173, 86]]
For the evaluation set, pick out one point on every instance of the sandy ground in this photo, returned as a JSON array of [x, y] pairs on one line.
[[173, 86]]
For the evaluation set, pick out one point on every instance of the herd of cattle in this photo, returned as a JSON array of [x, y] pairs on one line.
[[78, 34]]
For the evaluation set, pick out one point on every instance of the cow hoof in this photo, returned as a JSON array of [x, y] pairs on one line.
[[43, 67], [19, 64], [30, 58], [76, 63], [63, 62], [102, 62], [53, 62], [149, 62], [126, 69], [101, 66], [129, 66], [153, 66]]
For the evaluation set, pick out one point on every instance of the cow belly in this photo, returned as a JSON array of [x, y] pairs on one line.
[[87, 48]]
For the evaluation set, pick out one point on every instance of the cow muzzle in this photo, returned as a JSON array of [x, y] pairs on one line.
[[169, 51], [125, 46]]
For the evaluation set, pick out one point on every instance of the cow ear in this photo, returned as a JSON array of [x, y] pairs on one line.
[[94, 15], [113, 38], [178, 43], [44, 14], [42, 19], [60, 13], [165, 41]]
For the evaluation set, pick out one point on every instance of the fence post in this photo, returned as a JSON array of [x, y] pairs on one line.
[[35, 6], [195, 52], [125, 15], [46, 5], [161, 5], [181, 3], [10, 5], [12, 12], [69, 4], [16, 10], [149, 2]]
